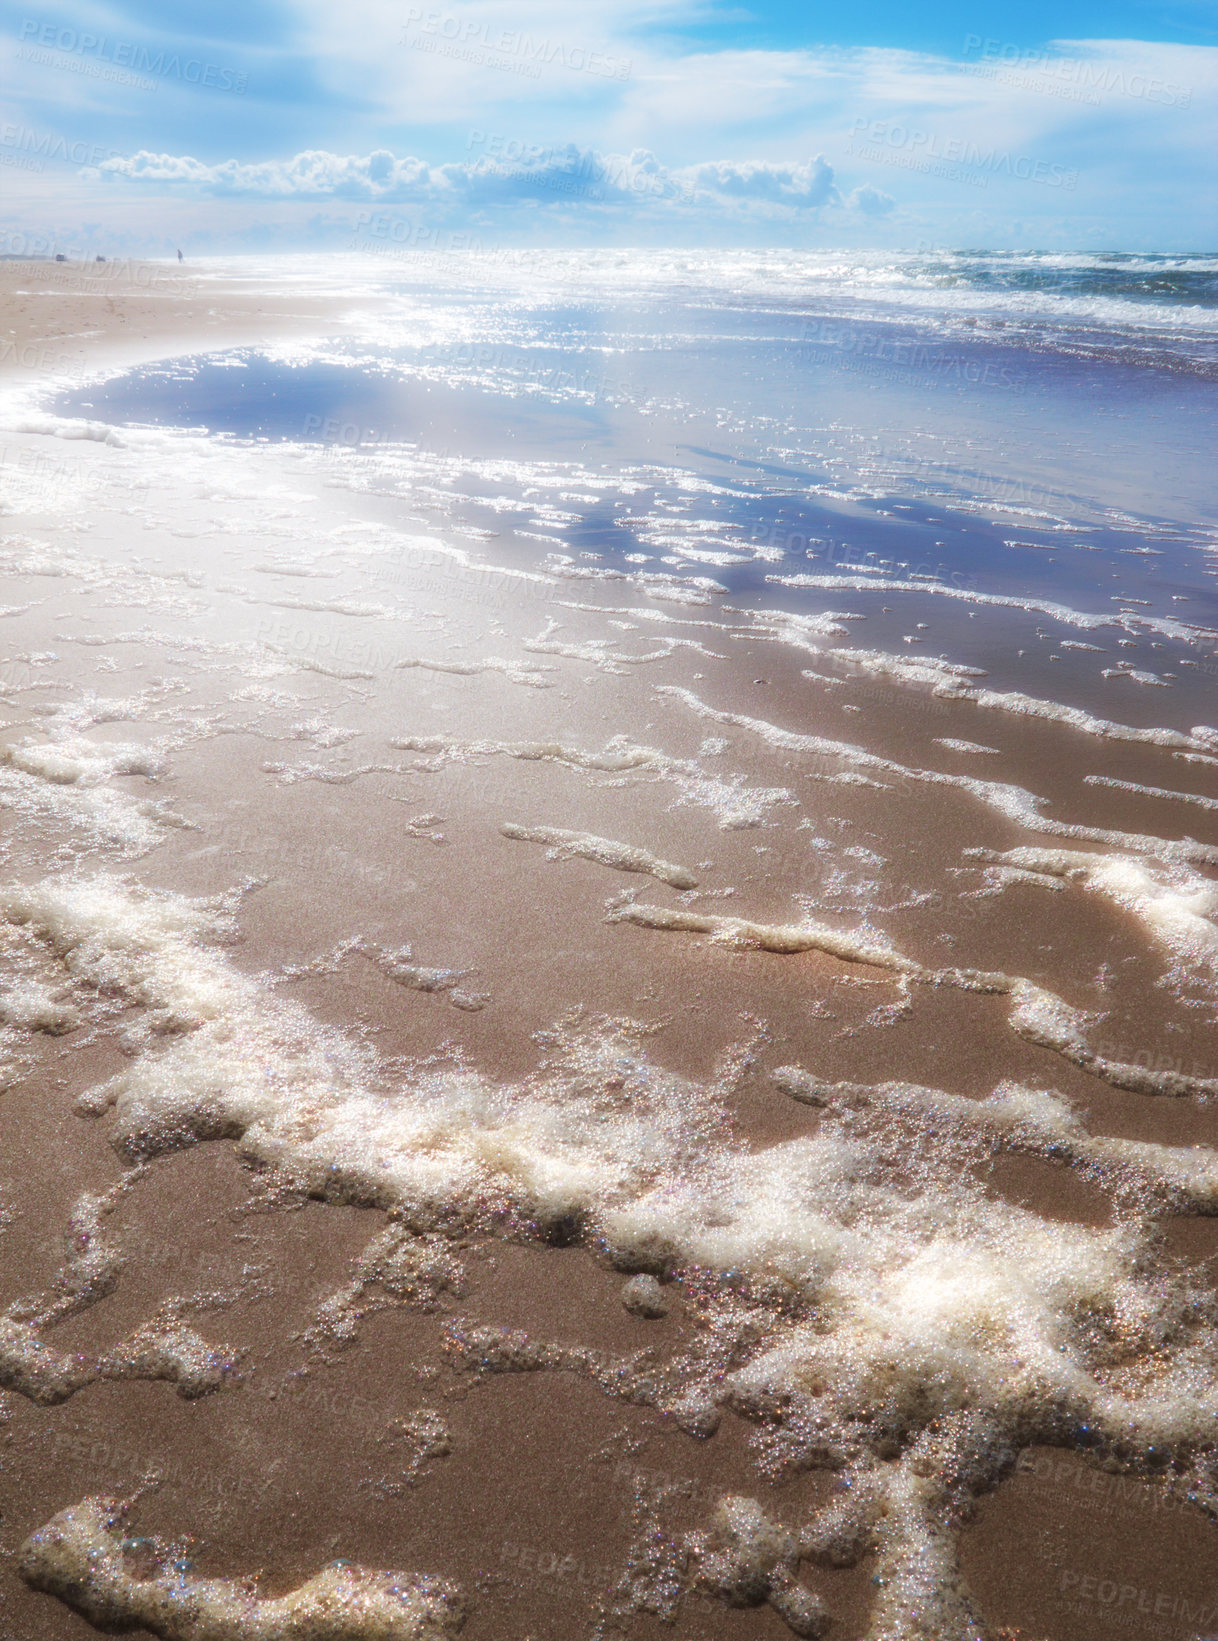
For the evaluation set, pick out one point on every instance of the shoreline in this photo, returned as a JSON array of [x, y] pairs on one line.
[[162, 315]]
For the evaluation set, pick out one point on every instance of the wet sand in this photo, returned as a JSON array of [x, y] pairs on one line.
[[542, 1488], [61, 315]]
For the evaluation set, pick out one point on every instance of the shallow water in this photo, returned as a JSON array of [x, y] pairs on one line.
[[694, 428]]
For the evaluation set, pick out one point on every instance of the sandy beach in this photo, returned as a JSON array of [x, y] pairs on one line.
[[407, 944]]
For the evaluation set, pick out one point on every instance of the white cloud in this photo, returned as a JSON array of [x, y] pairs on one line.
[[872, 202], [568, 175], [800, 185]]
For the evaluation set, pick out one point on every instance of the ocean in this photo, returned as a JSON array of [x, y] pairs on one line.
[[728, 1211]]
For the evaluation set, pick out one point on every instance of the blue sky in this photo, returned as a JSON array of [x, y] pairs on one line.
[[942, 26], [292, 124]]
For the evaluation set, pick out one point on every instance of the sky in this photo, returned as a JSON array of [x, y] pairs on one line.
[[231, 126]]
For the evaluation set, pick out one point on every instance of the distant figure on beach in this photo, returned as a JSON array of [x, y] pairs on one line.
[[180, 257]]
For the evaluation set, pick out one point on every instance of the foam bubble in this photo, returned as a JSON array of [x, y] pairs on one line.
[[746, 1559], [77, 761], [924, 670], [35, 1007], [1135, 676], [623, 857], [786, 938], [953, 681], [162, 1349], [1036, 1013], [1166, 626], [1176, 906], [533, 677], [1014, 802], [644, 1297], [604, 653], [954, 745], [1151, 791], [1201, 739], [109, 818], [734, 803], [79, 1556], [399, 967], [397, 1268], [911, 1331], [1036, 1121]]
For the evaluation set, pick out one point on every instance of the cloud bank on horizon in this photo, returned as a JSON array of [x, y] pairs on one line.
[[281, 125], [531, 175]]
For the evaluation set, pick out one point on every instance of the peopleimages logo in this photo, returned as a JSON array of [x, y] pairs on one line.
[[1087, 78], [472, 40], [43, 145], [127, 54], [927, 146], [872, 349], [1131, 1606]]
